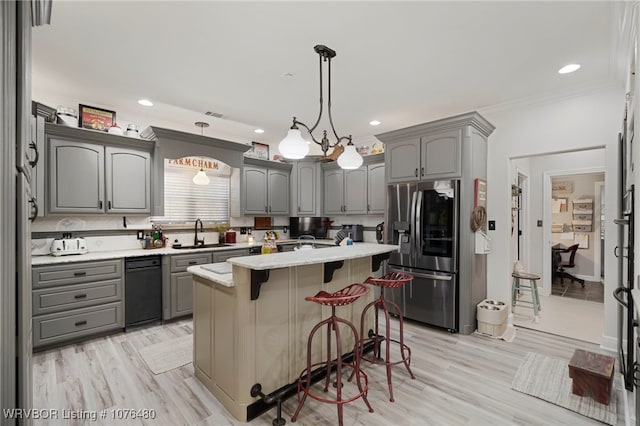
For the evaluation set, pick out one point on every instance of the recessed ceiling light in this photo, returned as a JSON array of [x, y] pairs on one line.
[[374, 122], [569, 68], [145, 102], [258, 131]]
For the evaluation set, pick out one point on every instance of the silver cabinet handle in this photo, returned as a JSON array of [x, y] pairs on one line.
[[100, 204]]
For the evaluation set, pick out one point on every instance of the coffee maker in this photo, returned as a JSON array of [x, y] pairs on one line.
[[380, 233]]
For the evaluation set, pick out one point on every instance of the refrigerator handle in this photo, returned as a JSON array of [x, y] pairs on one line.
[[412, 227], [417, 226]]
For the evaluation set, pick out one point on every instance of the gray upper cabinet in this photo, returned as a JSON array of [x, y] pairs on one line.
[[429, 157], [76, 177], [357, 191], [440, 155], [128, 181], [375, 189], [333, 192], [305, 189], [440, 149], [94, 172], [255, 190], [345, 191], [403, 160], [265, 190]]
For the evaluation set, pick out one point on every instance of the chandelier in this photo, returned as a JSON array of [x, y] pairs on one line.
[[293, 146], [201, 177]]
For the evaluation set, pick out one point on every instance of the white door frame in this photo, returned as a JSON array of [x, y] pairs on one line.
[[524, 216], [597, 252], [546, 223]]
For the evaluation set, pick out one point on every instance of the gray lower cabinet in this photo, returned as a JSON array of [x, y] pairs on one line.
[[76, 300], [177, 295]]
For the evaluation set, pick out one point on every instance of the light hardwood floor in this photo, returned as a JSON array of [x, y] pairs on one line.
[[461, 380]]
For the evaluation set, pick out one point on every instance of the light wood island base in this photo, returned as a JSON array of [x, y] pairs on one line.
[[239, 342]]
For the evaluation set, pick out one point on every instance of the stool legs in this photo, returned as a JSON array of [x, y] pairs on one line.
[[304, 383], [535, 297], [381, 304]]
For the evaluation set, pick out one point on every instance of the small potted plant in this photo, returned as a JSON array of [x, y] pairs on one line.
[[221, 228]]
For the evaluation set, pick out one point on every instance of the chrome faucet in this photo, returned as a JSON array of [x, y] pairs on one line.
[[196, 241]]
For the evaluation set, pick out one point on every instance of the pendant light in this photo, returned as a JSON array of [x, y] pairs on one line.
[[293, 146], [201, 177]]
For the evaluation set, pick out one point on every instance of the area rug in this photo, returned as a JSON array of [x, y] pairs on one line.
[[548, 379], [164, 356]]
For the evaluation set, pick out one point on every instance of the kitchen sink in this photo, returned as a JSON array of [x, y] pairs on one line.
[[203, 246]]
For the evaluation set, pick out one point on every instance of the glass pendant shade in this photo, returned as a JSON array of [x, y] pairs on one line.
[[350, 159], [201, 178], [293, 146]]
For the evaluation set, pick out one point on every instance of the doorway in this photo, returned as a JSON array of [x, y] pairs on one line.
[[580, 319]]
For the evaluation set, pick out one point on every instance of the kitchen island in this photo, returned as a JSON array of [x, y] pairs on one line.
[[251, 325]]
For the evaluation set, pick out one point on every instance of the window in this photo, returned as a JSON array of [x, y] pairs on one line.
[[185, 201]]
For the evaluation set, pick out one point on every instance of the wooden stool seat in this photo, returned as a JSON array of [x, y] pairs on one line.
[[592, 374], [532, 287]]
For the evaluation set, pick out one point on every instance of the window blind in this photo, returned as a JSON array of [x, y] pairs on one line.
[[184, 201]]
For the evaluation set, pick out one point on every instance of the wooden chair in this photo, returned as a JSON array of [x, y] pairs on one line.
[[562, 264]]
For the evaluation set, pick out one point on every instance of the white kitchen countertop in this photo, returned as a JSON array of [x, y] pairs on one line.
[[118, 254], [310, 257], [223, 279]]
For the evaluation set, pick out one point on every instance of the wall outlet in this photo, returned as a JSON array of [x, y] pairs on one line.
[[140, 235], [492, 225], [243, 231]]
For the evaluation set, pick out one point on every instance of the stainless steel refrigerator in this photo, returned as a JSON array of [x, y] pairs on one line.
[[423, 221]]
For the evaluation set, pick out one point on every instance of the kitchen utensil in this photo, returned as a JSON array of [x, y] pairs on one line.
[[132, 130], [67, 116]]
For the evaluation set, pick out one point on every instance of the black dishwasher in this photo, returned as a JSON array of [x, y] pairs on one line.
[[143, 290]]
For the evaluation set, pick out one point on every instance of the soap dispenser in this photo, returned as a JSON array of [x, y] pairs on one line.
[[349, 240]]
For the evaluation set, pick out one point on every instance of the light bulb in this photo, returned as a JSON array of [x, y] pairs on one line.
[[293, 146], [201, 178], [350, 159]]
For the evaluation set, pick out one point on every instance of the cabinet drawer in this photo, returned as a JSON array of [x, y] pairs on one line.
[[76, 273], [57, 299], [228, 254], [180, 263], [69, 325], [582, 228]]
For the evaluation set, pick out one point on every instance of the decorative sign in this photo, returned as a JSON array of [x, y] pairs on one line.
[[96, 118], [480, 195], [212, 166], [259, 150]]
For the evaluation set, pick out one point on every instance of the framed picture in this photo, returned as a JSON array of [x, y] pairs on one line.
[[259, 150], [582, 240], [95, 118]]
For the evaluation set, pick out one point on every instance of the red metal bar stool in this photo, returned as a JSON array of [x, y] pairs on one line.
[[343, 297], [391, 280]]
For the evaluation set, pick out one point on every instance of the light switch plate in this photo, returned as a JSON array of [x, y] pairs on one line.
[[140, 235], [492, 225], [539, 223]]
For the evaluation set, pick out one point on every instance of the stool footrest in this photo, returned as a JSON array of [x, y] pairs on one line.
[[305, 386]]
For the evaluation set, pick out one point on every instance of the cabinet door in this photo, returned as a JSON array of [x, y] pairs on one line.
[[307, 189], [278, 192], [441, 155], [333, 192], [181, 294], [128, 181], [375, 189], [403, 160], [76, 177], [355, 191], [255, 190]]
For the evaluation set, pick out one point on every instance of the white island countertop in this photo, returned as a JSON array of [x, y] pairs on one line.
[[217, 272], [310, 257]]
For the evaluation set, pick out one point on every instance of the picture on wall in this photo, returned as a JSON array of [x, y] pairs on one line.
[[581, 239]]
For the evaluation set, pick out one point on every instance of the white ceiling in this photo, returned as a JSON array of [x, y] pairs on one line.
[[402, 63]]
